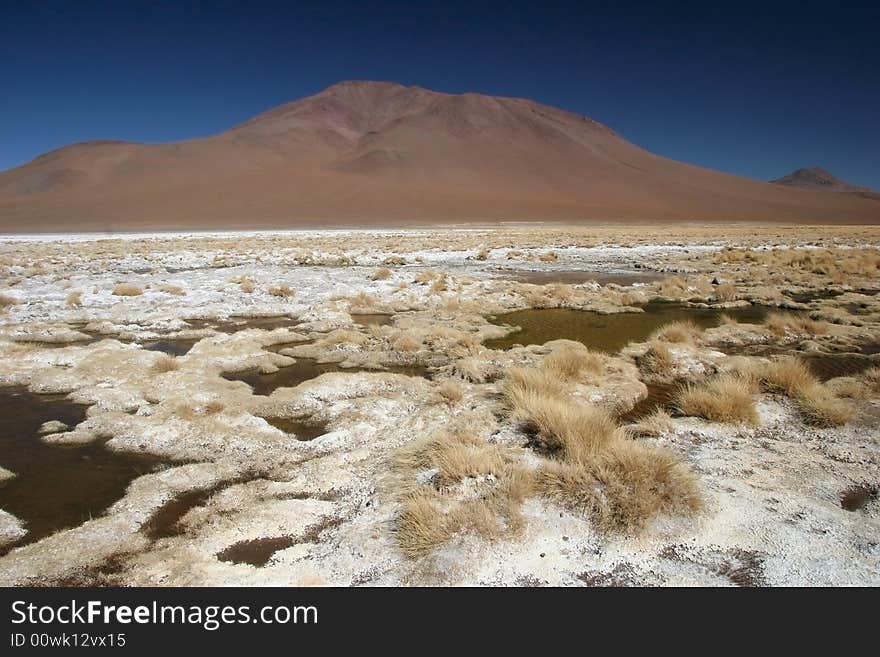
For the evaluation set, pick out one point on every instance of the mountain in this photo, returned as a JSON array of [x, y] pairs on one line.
[[819, 178], [372, 153]]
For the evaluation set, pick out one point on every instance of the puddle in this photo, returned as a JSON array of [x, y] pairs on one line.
[[811, 295], [256, 552], [857, 497], [372, 319], [575, 277], [238, 323], [57, 486], [659, 394], [163, 523], [305, 369], [301, 429], [609, 333], [172, 346]]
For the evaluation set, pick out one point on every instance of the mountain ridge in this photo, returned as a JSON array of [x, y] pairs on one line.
[[371, 152]]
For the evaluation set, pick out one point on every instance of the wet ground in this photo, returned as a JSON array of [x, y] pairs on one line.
[[371, 319], [858, 497], [659, 396], [575, 277], [300, 429], [57, 486], [609, 333], [305, 369]]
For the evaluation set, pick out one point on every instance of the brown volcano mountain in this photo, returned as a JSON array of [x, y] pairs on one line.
[[819, 178], [381, 153]]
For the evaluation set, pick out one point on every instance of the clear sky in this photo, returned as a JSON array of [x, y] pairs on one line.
[[755, 90]]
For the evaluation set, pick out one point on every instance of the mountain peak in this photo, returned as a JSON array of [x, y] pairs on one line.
[[818, 178]]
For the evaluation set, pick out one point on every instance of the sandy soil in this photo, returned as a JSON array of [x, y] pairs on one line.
[[234, 487]]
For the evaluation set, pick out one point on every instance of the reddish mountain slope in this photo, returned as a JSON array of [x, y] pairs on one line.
[[381, 153]]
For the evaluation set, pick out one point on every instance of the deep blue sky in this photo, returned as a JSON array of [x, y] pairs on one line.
[[754, 90]]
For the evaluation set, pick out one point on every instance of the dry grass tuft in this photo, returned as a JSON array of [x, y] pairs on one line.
[[683, 332], [673, 287], [407, 343], [786, 375], [821, 408], [657, 360], [127, 290], [571, 362], [381, 274], [623, 487], [656, 424], [74, 299], [281, 291], [781, 324], [165, 364], [726, 292], [167, 288], [726, 398], [818, 404], [439, 285], [871, 377], [450, 391], [477, 487]]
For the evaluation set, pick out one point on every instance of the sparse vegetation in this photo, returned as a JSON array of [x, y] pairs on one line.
[[74, 299], [127, 290], [656, 424], [450, 391], [434, 512], [725, 398], [176, 290], [682, 332], [165, 364], [571, 362], [281, 291]]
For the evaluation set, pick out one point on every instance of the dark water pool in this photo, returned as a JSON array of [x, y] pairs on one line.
[[57, 486], [609, 333]]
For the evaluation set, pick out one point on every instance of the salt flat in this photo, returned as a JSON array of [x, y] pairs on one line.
[[81, 314]]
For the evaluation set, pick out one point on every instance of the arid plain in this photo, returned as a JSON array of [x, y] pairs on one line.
[[528, 404]]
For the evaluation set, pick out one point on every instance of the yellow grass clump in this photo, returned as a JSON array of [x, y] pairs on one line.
[[682, 332], [594, 467], [164, 364], [450, 391], [781, 324], [623, 487], [281, 291], [74, 299], [726, 292], [656, 424], [127, 290], [726, 398], [406, 343], [571, 362], [433, 513], [657, 360], [819, 405], [176, 290]]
